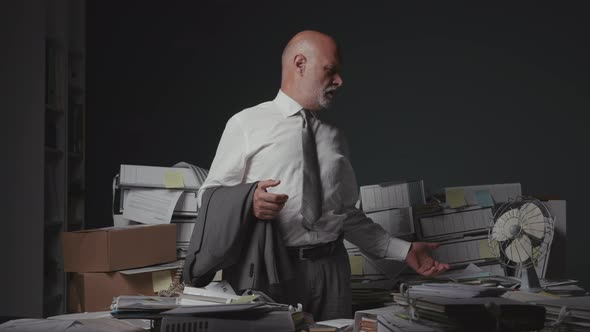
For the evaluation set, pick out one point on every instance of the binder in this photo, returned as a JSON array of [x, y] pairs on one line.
[[454, 222], [396, 222], [158, 177], [186, 206], [390, 195], [500, 193], [482, 313], [472, 249]]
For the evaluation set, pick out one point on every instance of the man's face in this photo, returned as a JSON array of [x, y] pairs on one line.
[[323, 79]]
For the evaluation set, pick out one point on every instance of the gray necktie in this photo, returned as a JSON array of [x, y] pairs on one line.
[[311, 200]]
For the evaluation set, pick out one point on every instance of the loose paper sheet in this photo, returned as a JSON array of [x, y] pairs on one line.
[[151, 206]]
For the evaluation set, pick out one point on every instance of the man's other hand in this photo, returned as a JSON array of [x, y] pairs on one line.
[[268, 205], [421, 261]]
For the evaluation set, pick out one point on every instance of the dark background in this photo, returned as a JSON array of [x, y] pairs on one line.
[[454, 95]]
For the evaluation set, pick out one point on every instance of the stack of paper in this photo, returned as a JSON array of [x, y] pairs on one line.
[[334, 325], [106, 324], [454, 290], [480, 313], [142, 307], [160, 195], [393, 318], [564, 314], [213, 294]]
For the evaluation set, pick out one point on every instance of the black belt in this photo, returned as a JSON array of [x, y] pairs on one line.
[[314, 251]]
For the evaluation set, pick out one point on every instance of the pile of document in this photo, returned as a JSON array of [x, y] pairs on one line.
[[393, 318], [213, 294], [142, 307], [389, 205], [567, 314], [371, 293], [159, 195], [462, 223], [333, 325], [570, 313], [470, 307]]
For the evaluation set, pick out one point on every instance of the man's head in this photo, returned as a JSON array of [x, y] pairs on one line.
[[311, 69]]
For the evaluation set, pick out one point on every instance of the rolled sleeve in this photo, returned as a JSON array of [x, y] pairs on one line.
[[398, 249], [371, 238]]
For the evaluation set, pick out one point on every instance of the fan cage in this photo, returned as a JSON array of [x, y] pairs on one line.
[[539, 251]]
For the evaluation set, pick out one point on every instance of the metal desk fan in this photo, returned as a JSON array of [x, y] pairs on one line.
[[520, 236]]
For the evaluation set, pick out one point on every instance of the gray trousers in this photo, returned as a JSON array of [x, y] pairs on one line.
[[322, 286]]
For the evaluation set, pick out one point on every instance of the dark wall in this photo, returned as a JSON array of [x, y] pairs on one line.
[[452, 95], [22, 100]]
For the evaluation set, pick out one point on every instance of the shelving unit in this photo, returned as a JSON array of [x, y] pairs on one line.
[[64, 141]]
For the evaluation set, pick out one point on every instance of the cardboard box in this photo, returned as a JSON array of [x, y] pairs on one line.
[[95, 291], [112, 249]]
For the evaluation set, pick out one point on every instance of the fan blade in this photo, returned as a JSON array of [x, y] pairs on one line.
[[519, 250], [501, 230], [532, 221], [498, 233]]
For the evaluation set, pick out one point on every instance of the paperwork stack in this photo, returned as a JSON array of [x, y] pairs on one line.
[[389, 205], [462, 226], [142, 307], [158, 195], [469, 307], [567, 314], [371, 293], [392, 319], [480, 313]]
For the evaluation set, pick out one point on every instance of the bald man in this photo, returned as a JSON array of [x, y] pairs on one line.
[[306, 181]]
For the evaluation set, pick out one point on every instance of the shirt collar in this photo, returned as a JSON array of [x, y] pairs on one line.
[[288, 106]]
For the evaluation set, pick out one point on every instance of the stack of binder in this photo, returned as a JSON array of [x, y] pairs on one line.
[[150, 195], [482, 313], [567, 314], [462, 225], [389, 205]]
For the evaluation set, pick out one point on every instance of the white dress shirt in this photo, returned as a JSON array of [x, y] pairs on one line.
[[264, 142]]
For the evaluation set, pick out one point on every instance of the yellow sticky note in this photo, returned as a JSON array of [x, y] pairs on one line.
[[173, 180], [356, 265], [456, 198], [161, 280], [484, 249]]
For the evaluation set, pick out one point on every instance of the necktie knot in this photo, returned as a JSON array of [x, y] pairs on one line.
[[307, 117]]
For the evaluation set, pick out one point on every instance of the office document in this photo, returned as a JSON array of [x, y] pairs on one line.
[[151, 206]]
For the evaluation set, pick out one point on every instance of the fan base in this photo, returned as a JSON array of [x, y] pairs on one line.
[[529, 281]]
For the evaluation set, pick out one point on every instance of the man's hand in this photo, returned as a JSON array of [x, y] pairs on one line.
[[419, 259], [268, 205]]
